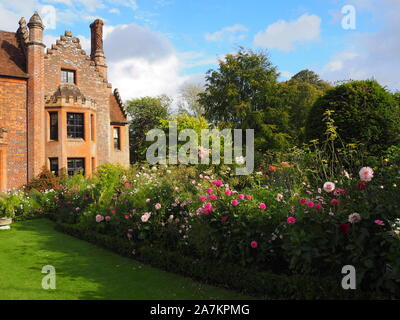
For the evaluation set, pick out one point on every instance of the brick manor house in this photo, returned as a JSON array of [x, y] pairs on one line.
[[57, 109]]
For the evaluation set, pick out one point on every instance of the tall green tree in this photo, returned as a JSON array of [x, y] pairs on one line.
[[241, 93], [144, 115], [309, 76], [299, 95], [363, 112]]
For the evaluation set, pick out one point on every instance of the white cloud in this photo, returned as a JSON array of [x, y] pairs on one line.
[[286, 75], [114, 11], [284, 36], [233, 33], [148, 64], [370, 55]]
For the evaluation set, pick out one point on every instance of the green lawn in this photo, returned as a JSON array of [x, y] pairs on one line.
[[84, 271]]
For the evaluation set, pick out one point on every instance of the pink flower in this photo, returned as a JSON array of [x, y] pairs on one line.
[[146, 217], [217, 183], [262, 206], [127, 185], [228, 192], [57, 198], [224, 218], [318, 207], [241, 196], [334, 202], [203, 152], [329, 186], [212, 197], [157, 206], [209, 190], [127, 217], [202, 198], [291, 220], [235, 203], [379, 222], [354, 218], [129, 236], [254, 244], [366, 174], [248, 197], [279, 197], [108, 218], [303, 201], [310, 204], [99, 218], [113, 211], [207, 208], [339, 192]]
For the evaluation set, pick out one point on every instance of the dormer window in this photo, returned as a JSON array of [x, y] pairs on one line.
[[68, 76]]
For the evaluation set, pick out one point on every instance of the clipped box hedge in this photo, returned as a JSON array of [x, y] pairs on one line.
[[234, 277]]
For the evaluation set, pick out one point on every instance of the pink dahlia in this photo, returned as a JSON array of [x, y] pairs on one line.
[[366, 174], [263, 206], [329, 186], [254, 244], [235, 203], [228, 192], [334, 202], [217, 183], [291, 220]]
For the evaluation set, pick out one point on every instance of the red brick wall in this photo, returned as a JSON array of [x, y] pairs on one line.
[[67, 54], [13, 118]]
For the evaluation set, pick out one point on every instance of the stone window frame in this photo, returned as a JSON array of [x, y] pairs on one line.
[[70, 68], [117, 146], [76, 125], [54, 170], [75, 168]]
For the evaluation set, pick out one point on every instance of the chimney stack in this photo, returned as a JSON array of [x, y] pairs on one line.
[[35, 105], [97, 51]]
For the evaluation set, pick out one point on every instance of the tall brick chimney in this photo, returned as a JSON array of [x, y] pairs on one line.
[[97, 53], [35, 107]]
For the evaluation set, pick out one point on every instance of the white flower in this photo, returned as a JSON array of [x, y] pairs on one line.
[[329, 186], [240, 160], [354, 218]]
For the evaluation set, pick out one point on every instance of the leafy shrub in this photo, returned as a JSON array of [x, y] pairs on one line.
[[363, 112]]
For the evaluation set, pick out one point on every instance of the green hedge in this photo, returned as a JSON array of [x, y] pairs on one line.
[[268, 285]]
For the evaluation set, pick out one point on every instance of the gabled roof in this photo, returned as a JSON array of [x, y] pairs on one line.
[[117, 109], [12, 58]]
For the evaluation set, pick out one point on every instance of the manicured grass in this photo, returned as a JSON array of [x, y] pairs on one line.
[[84, 271]]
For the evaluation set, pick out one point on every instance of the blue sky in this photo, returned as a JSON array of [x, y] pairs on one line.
[[155, 46]]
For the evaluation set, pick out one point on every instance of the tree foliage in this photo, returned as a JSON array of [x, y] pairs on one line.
[[364, 112], [189, 99], [308, 76], [144, 114]]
